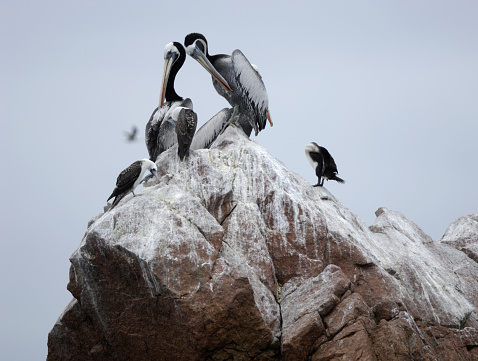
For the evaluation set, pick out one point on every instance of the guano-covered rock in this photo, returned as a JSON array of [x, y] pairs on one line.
[[231, 256]]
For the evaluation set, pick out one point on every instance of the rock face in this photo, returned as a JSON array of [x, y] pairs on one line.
[[233, 257], [463, 235]]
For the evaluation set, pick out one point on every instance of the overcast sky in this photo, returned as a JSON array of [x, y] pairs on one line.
[[390, 88]]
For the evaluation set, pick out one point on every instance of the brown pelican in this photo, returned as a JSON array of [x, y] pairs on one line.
[[323, 163], [130, 177], [186, 122], [160, 129], [246, 93]]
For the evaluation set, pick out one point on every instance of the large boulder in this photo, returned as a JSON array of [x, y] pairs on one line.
[[231, 256]]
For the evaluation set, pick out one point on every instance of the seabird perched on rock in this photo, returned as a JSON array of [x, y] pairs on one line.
[[160, 129], [323, 163], [186, 123], [130, 177], [237, 80]]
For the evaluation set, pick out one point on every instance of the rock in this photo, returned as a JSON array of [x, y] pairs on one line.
[[231, 256], [303, 306], [346, 313], [425, 271], [399, 339], [353, 343], [462, 234]]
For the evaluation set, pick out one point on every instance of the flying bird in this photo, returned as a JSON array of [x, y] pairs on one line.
[[131, 136], [235, 79], [130, 177], [186, 123], [160, 129], [323, 163]]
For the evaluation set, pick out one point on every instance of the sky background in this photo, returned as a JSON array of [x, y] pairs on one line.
[[389, 88]]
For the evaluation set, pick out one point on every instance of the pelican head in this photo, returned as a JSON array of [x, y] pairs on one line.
[[196, 47], [174, 53]]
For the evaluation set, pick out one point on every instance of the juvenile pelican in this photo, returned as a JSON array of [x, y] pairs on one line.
[[323, 164], [160, 129], [130, 177], [235, 79]]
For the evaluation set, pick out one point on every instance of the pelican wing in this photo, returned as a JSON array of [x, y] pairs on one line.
[[160, 133], [166, 136], [211, 130], [152, 129], [252, 87], [151, 132], [186, 125]]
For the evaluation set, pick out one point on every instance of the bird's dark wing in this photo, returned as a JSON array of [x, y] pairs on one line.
[[316, 157], [211, 129], [116, 200], [253, 88], [151, 133], [328, 160], [159, 134], [186, 125], [185, 128], [127, 177]]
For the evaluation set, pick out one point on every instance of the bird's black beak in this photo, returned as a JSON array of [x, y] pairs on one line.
[[201, 58]]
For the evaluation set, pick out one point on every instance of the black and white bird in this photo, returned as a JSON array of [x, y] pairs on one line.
[[238, 81], [161, 128], [186, 123], [130, 177], [323, 164]]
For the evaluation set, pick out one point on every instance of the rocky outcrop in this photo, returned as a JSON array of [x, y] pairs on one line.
[[463, 235], [233, 257]]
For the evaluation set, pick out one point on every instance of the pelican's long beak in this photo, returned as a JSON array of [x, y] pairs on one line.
[[203, 60], [168, 63], [154, 173]]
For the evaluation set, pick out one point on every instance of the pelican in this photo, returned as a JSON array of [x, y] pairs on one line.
[[323, 164], [160, 129], [130, 177], [238, 81], [186, 122]]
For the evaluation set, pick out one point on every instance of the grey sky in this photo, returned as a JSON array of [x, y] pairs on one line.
[[389, 88]]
